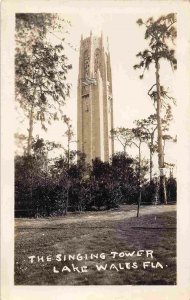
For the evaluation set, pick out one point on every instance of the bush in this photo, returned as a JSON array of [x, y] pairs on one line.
[[52, 190], [171, 187]]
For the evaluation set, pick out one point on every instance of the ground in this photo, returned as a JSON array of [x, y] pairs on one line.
[[95, 233]]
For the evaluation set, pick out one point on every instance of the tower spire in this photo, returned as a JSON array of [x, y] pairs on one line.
[[102, 38], [108, 50]]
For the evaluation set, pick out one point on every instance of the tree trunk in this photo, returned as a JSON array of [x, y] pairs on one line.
[[30, 131], [139, 164], [162, 193], [124, 150], [68, 153], [31, 197], [151, 153], [62, 206], [67, 202], [150, 165], [164, 150], [140, 194], [139, 202]]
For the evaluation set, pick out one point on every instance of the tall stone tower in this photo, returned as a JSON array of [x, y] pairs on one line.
[[95, 102]]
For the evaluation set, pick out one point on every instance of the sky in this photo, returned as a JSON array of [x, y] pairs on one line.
[[130, 99]]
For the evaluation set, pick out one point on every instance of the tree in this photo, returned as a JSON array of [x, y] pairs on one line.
[[149, 126], [33, 180], [160, 33], [128, 137], [41, 69], [166, 115], [139, 136], [123, 136], [69, 134], [125, 176], [63, 181]]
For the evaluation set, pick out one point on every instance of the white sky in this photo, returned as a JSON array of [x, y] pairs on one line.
[[130, 97]]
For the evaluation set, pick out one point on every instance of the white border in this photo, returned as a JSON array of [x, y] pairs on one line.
[[9, 291]]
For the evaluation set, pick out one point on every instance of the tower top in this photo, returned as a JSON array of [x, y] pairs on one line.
[[96, 39]]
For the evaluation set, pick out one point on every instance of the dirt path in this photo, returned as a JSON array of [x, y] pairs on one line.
[[124, 212]]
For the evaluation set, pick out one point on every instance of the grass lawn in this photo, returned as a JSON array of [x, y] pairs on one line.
[[95, 233]]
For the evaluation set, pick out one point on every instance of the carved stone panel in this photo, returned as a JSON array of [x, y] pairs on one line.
[[97, 61], [86, 72]]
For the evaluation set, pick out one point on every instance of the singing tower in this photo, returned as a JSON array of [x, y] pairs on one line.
[[95, 101]]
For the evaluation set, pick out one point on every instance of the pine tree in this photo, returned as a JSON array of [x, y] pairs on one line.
[[160, 33]]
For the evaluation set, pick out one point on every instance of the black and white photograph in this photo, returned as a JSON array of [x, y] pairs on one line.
[[97, 130]]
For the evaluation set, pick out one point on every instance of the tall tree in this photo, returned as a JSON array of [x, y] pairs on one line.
[[166, 114], [160, 33], [41, 68]]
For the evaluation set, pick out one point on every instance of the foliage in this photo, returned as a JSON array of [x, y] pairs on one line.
[[50, 187], [44, 187], [123, 136], [34, 187], [171, 186], [69, 134], [149, 192], [41, 69], [160, 33]]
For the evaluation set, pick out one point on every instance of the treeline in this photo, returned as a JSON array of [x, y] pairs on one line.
[[46, 187], [43, 186]]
